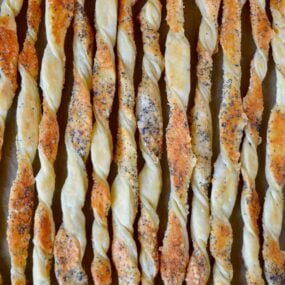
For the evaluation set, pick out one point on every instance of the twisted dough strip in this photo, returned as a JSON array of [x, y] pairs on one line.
[[68, 259], [104, 85], [253, 107], [149, 117], [9, 50], [57, 20], [181, 160], [274, 258], [201, 129], [21, 200], [231, 123], [124, 196]]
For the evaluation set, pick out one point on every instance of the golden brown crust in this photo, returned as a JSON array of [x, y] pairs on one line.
[[100, 198], [44, 223], [20, 214], [60, 10], [254, 210], [278, 5], [175, 18], [103, 80], [276, 151], [221, 244], [28, 59], [34, 16], [68, 263], [230, 33], [125, 16], [49, 133], [179, 150], [260, 25], [275, 261], [101, 271], [9, 50], [79, 125], [174, 256], [231, 128], [231, 113], [253, 106]]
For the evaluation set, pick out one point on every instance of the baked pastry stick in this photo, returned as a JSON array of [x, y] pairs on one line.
[[253, 108], [274, 257], [124, 195], [150, 124], [9, 51], [57, 19], [104, 86], [201, 129], [231, 123], [175, 249], [21, 200], [70, 241]]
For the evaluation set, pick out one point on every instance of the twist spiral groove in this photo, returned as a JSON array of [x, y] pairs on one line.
[[58, 16], [201, 129], [231, 123], [274, 257], [21, 200], [104, 85], [9, 52], [124, 194], [70, 240], [253, 107], [174, 258], [150, 126]]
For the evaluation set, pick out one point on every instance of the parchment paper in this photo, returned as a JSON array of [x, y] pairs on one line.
[[8, 165]]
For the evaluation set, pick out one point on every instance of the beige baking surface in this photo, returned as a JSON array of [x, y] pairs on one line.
[[8, 164]]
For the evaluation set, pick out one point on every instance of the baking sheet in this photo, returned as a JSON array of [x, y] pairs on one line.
[[8, 165]]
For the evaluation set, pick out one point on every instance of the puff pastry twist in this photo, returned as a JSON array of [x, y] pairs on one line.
[[124, 196], [181, 160], [28, 117], [201, 130], [231, 123], [253, 108], [57, 19], [150, 126], [9, 51], [274, 258], [104, 86], [70, 241]]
